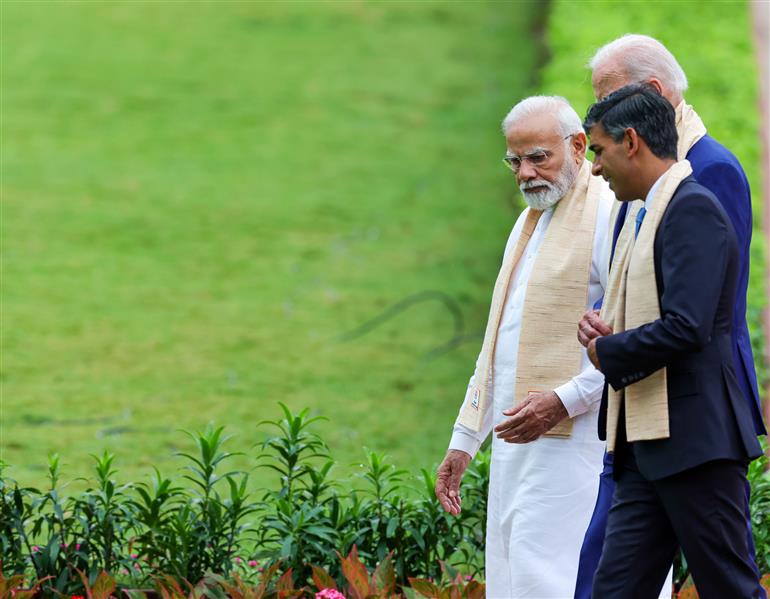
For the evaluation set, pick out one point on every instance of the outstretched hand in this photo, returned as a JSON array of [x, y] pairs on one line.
[[448, 477]]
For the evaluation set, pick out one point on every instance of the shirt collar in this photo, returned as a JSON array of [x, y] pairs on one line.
[[651, 193]]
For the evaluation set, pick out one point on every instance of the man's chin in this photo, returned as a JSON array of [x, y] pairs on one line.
[[537, 202]]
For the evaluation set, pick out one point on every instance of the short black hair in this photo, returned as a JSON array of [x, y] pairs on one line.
[[640, 107]]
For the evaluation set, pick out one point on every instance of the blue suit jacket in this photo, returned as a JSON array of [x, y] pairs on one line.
[[715, 167], [696, 271]]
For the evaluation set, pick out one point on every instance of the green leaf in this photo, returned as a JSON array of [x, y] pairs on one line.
[[392, 526], [287, 546]]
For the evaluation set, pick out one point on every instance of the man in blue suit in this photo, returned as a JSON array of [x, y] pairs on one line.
[[638, 59]]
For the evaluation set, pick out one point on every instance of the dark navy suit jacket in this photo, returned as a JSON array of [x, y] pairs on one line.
[[715, 167], [696, 268]]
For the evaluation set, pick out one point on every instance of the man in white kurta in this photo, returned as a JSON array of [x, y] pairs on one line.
[[542, 489]]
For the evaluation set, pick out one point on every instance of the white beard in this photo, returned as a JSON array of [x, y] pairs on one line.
[[542, 200]]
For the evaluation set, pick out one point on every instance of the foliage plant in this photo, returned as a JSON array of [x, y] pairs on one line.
[[138, 532], [383, 517], [188, 532], [200, 537]]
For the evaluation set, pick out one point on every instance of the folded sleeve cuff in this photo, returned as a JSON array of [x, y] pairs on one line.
[[464, 441], [570, 396]]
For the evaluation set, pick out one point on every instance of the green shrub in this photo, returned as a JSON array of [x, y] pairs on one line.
[[138, 532], [308, 516]]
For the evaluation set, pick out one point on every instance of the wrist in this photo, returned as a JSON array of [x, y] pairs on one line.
[[560, 406], [593, 353]]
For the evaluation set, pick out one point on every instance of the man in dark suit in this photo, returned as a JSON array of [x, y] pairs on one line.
[[685, 488], [639, 58]]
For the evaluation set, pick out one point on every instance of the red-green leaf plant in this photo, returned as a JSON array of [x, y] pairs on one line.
[[103, 587], [13, 586], [451, 586], [381, 584]]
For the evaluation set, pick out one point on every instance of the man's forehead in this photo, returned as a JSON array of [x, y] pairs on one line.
[[597, 136], [539, 130], [607, 78]]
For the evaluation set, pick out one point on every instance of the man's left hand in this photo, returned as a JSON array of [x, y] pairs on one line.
[[536, 415]]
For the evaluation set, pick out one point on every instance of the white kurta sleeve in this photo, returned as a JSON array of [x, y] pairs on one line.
[[463, 438], [581, 393], [468, 440]]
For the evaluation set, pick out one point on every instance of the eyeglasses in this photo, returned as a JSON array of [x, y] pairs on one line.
[[538, 158]]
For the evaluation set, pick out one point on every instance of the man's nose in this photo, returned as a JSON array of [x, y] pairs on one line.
[[596, 169], [526, 171]]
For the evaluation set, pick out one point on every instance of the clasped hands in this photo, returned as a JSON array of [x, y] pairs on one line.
[[590, 328]]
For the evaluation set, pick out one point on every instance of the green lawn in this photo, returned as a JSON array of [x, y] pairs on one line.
[[200, 198]]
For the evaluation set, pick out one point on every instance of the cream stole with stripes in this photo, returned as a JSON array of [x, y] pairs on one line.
[[548, 352], [631, 300]]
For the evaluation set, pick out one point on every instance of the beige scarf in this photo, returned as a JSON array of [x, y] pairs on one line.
[[632, 300], [548, 352], [690, 129]]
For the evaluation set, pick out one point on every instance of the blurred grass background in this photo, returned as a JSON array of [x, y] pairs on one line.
[[199, 199]]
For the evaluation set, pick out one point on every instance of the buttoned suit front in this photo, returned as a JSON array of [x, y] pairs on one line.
[[712, 436], [718, 170]]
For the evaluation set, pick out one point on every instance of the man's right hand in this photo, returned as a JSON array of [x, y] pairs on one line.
[[591, 327], [448, 477]]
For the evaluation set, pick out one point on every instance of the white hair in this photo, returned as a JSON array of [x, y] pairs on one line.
[[642, 58], [569, 121]]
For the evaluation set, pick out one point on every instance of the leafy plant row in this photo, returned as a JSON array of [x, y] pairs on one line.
[[139, 533]]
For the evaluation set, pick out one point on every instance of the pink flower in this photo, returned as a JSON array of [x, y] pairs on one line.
[[469, 577], [134, 556], [35, 548], [253, 563], [124, 571], [77, 547], [63, 545], [329, 594], [238, 560]]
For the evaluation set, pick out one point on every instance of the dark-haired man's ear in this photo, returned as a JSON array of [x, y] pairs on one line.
[[631, 142]]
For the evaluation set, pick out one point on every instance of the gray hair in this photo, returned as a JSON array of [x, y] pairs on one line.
[[569, 121], [643, 57]]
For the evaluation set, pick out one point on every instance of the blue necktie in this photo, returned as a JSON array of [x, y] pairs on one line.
[[639, 219]]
